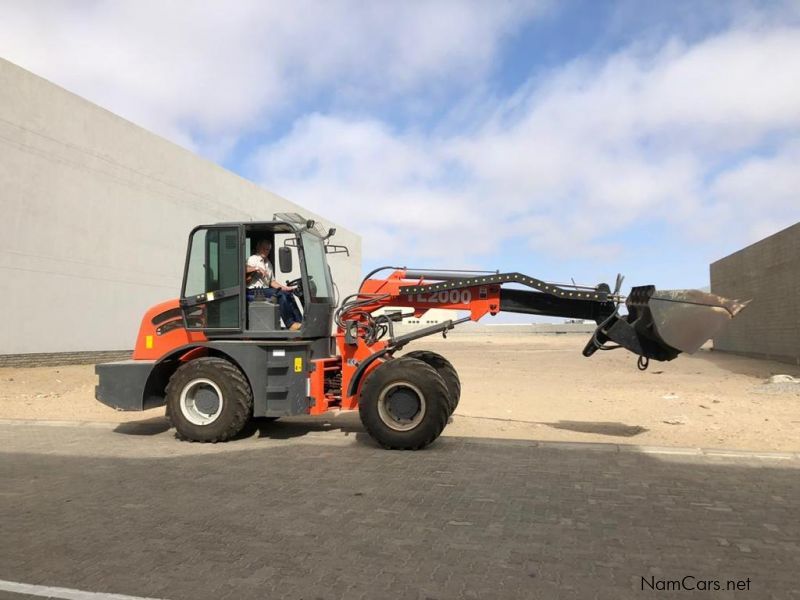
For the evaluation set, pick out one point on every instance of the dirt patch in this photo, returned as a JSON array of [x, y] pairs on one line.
[[534, 387], [57, 393]]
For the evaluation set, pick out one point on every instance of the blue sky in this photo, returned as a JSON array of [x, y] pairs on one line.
[[561, 139]]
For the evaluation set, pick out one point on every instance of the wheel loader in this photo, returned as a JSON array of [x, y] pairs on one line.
[[219, 355]]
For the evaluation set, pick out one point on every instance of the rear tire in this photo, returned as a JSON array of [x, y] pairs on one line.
[[208, 400], [445, 369], [404, 404]]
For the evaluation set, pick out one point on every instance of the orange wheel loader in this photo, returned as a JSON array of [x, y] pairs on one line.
[[219, 355]]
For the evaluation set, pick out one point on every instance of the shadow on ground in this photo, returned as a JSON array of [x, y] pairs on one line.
[[292, 427], [277, 429], [350, 424], [611, 428], [151, 426]]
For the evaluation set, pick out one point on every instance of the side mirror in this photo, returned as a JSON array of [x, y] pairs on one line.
[[285, 259]]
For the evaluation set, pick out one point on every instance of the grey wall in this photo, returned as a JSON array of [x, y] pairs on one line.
[[95, 214], [769, 273]]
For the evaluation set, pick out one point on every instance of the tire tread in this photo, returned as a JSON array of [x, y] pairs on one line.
[[242, 398], [445, 369], [433, 423]]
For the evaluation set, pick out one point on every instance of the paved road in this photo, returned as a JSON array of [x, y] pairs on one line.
[[331, 516]]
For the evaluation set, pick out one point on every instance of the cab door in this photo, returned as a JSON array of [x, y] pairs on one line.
[[212, 282]]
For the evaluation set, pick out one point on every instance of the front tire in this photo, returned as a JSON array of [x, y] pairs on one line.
[[404, 404], [208, 400]]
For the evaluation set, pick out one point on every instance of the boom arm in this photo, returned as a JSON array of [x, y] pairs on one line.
[[657, 326]]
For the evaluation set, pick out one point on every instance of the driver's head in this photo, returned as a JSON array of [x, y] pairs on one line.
[[263, 247]]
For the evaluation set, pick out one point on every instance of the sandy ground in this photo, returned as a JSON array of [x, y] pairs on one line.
[[539, 387]]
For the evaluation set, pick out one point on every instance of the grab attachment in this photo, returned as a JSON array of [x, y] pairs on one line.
[[661, 325]]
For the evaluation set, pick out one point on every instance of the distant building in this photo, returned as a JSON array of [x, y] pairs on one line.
[[96, 214], [768, 273]]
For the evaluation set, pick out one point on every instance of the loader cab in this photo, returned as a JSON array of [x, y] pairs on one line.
[[214, 295]]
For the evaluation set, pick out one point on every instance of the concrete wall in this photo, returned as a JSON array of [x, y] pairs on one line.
[[769, 273], [94, 218]]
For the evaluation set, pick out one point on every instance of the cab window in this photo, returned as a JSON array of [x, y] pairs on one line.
[[212, 286]]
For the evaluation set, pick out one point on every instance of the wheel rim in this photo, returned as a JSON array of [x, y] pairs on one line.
[[401, 406], [201, 401]]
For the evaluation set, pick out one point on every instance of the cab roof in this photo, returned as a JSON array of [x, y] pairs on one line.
[[282, 223]]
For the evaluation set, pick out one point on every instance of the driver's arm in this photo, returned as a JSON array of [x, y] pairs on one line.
[[274, 284]]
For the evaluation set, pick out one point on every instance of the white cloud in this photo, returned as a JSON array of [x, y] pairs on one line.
[[760, 195], [196, 71], [702, 136], [599, 147]]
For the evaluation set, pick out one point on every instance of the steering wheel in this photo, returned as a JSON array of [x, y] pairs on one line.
[[298, 283], [299, 292]]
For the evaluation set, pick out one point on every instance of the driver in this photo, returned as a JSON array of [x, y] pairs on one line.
[[260, 275]]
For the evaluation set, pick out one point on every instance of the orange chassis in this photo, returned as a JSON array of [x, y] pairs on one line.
[[352, 351]]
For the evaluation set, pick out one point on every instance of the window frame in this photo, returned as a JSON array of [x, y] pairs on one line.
[[303, 257], [188, 303]]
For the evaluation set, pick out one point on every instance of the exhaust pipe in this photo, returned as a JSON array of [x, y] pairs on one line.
[[661, 325]]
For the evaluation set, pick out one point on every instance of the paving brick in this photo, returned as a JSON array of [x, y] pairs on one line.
[[261, 519]]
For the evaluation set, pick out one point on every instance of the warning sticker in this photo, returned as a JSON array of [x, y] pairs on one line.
[[298, 365]]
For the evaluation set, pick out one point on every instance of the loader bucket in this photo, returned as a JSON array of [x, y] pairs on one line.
[[661, 325], [687, 319]]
